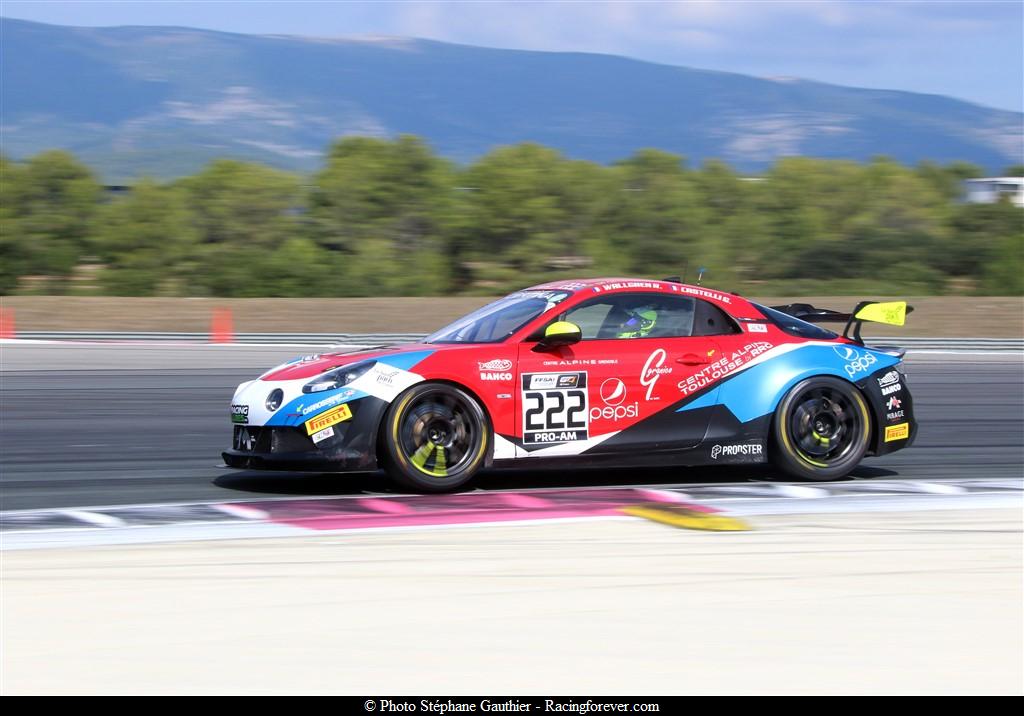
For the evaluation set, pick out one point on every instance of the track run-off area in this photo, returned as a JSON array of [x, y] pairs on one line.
[[118, 576]]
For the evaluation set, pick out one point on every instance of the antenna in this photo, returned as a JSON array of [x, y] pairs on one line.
[[700, 274]]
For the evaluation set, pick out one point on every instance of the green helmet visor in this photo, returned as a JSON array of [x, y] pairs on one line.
[[639, 324]]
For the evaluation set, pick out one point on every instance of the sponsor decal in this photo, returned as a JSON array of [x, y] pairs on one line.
[[499, 365], [543, 380], [613, 393], [745, 450], [705, 293], [495, 376], [582, 361], [503, 396], [889, 378], [890, 389], [756, 328], [386, 377], [239, 413], [555, 408], [894, 406], [722, 367], [327, 402], [325, 420], [856, 361], [322, 435], [626, 284], [897, 432], [654, 368]]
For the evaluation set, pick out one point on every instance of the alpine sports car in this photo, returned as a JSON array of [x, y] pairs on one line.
[[598, 371]]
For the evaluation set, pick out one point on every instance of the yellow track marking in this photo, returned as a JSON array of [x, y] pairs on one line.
[[686, 518]]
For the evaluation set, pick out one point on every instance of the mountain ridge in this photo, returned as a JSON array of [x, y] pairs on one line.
[[162, 101]]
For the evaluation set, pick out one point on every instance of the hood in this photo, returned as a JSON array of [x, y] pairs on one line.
[[310, 366]]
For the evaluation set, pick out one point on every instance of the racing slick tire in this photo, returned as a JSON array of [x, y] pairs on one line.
[[434, 438], [821, 430]]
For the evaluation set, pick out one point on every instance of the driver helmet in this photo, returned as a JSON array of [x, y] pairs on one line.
[[639, 323]]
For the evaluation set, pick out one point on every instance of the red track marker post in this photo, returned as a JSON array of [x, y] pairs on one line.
[[7, 323], [221, 326]]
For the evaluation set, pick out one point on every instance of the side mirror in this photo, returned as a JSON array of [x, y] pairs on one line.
[[561, 333]]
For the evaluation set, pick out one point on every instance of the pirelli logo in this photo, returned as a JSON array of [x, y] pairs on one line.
[[326, 420], [897, 432]]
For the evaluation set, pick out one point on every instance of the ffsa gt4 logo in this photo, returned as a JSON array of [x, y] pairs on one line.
[[856, 362]]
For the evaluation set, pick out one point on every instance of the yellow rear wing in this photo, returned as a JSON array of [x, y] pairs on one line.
[[892, 313]]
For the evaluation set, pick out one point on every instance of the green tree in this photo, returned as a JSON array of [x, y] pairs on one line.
[[147, 241], [528, 215], [654, 215], [49, 202], [240, 213], [386, 209]]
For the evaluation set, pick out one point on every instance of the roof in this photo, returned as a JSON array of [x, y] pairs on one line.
[[603, 285]]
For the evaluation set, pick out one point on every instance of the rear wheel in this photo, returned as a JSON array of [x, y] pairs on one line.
[[821, 429], [435, 438]]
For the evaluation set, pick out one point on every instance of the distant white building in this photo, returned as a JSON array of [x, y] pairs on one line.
[[989, 190]]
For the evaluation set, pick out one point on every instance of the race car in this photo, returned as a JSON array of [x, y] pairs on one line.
[[615, 372]]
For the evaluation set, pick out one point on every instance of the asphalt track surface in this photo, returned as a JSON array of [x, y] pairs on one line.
[[100, 425]]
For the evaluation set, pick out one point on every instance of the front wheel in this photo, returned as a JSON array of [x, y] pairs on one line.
[[435, 437], [821, 429]]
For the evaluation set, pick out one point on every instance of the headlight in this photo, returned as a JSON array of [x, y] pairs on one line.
[[274, 399], [337, 378]]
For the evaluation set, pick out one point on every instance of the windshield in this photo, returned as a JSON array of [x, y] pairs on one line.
[[497, 321]]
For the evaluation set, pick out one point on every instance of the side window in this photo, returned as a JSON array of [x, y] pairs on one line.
[[590, 317], [634, 315], [710, 320]]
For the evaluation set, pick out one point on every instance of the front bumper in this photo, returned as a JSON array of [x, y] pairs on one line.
[[290, 448]]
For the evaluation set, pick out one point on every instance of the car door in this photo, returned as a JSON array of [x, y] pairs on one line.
[[614, 391]]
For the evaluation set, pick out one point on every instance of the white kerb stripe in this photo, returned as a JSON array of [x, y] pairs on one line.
[[94, 518]]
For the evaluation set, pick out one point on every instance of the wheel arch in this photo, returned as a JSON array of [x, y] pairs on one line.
[[872, 421], [778, 452], [380, 433]]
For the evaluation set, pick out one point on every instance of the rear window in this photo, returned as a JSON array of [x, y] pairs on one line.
[[794, 326]]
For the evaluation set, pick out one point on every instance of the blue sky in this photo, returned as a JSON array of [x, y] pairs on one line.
[[970, 50]]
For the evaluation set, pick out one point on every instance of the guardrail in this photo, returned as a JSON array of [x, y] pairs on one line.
[[390, 339], [376, 339]]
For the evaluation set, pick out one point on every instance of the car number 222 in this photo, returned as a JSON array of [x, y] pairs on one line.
[[555, 414]]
